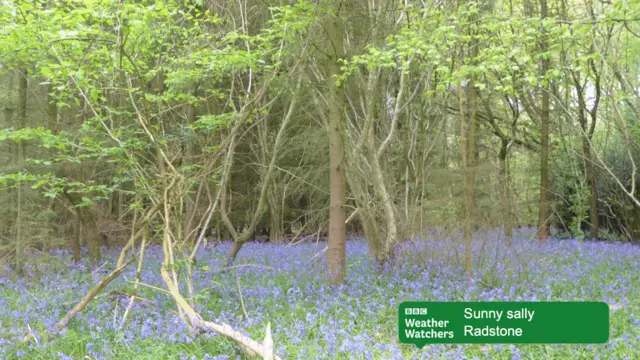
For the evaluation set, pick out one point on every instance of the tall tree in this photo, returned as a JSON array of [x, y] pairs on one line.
[[336, 251], [468, 99], [587, 130], [22, 118], [543, 207]]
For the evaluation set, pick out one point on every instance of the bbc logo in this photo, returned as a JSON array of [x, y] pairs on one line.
[[415, 311]]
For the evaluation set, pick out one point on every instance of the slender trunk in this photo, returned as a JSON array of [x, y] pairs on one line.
[[336, 251], [469, 155], [120, 118], [267, 180], [233, 252], [52, 114], [219, 235], [587, 156], [75, 239], [22, 117], [505, 192], [275, 216], [274, 194], [384, 252], [87, 216], [190, 201], [88, 221], [445, 137], [5, 242], [591, 182], [543, 208], [387, 253], [469, 199], [19, 235], [543, 211], [382, 190], [590, 168]]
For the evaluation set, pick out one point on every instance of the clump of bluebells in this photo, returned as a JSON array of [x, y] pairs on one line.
[[311, 319]]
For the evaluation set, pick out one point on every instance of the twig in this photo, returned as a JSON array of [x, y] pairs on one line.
[[151, 286], [320, 253], [100, 267], [246, 316], [485, 284]]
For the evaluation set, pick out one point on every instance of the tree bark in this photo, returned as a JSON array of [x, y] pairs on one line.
[[89, 223], [75, 239], [233, 253], [190, 201], [505, 192], [276, 228], [22, 118], [587, 148], [336, 250], [590, 176], [469, 153], [543, 207]]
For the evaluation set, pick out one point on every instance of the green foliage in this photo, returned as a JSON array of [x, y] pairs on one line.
[[579, 201], [213, 122], [100, 51]]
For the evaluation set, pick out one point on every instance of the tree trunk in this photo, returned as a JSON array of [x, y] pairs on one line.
[[190, 201], [22, 118], [469, 155], [589, 172], [6, 242], [505, 192], [336, 251], [267, 180], [543, 207], [231, 257], [387, 253], [276, 228], [88, 221], [76, 239]]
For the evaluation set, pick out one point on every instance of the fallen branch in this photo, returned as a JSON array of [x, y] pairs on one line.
[[268, 343], [244, 311], [250, 346], [90, 295]]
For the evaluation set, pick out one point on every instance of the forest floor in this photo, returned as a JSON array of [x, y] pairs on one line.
[[285, 285]]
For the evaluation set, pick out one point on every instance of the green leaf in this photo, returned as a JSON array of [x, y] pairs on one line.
[[94, 94]]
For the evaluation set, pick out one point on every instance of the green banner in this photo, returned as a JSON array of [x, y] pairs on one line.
[[423, 323]]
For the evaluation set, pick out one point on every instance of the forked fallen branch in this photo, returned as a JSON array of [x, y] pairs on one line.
[[247, 344]]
